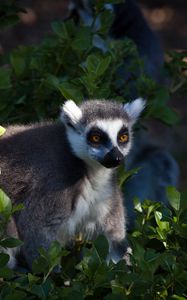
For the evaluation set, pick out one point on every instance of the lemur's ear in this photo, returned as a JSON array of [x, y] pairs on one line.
[[70, 113], [134, 109]]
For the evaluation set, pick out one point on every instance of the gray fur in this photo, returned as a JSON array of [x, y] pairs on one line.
[[95, 109], [62, 194]]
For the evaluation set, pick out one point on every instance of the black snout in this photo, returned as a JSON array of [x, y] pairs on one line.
[[113, 158]]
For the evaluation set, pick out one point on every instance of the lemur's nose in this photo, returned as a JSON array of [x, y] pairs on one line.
[[113, 158]]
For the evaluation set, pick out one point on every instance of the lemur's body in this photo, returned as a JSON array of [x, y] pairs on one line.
[[66, 178]]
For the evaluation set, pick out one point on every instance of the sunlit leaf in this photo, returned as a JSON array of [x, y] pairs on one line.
[[5, 203], [2, 130], [173, 197], [137, 204]]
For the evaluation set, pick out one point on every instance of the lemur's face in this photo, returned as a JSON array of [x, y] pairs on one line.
[[108, 141], [97, 133]]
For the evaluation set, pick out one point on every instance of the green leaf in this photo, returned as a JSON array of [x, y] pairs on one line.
[[2, 130], [96, 65], [4, 258], [70, 91], [5, 204], [178, 297], [18, 60], [40, 265], [65, 30], [15, 295], [163, 225], [150, 209], [102, 92], [158, 217], [60, 29], [5, 79], [52, 81], [173, 197], [161, 234], [42, 290], [6, 273], [10, 242], [55, 253], [55, 250], [138, 251], [162, 96], [137, 205], [17, 207], [71, 294], [124, 175], [167, 115], [101, 246], [106, 19], [83, 39], [32, 278]]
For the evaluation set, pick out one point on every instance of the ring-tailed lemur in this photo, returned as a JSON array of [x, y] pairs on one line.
[[65, 175], [158, 168]]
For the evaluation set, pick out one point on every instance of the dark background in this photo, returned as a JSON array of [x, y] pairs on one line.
[[168, 18]]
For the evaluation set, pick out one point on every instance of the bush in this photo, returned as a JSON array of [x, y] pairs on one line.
[[78, 62], [158, 269]]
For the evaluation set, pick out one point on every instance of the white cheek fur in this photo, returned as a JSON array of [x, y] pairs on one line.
[[78, 143]]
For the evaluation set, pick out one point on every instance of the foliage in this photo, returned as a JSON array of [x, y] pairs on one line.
[[176, 66], [158, 265], [77, 62]]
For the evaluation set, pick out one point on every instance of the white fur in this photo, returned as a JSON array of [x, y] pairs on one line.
[[12, 260], [12, 256], [111, 127], [72, 111], [92, 205], [135, 108], [78, 143]]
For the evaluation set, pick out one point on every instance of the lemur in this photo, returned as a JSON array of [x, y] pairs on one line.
[[65, 175]]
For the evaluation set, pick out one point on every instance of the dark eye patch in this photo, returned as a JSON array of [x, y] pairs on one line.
[[123, 132], [95, 131]]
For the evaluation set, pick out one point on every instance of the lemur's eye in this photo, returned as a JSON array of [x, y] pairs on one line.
[[95, 138], [123, 138]]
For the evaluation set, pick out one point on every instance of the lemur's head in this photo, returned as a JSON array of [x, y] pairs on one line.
[[101, 131]]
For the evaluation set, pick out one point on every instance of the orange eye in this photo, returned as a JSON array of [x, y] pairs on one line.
[[95, 138], [123, 138]]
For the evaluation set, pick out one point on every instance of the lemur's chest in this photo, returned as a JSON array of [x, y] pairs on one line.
[[93, 204]]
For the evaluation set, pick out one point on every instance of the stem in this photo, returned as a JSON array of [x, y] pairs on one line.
[[178, 86]]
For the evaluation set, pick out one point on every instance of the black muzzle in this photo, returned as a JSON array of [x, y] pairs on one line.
[[112, 159]]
